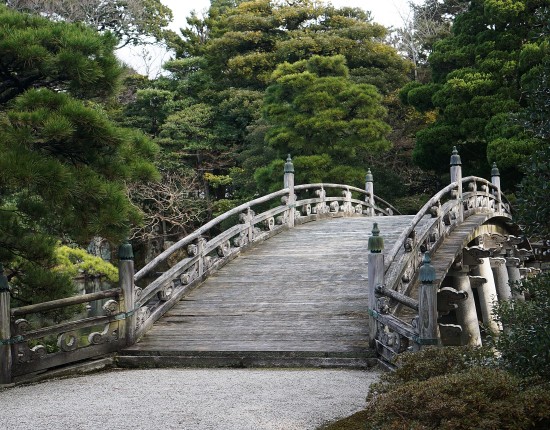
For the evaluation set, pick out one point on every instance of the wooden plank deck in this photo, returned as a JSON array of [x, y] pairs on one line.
[[298, 299]]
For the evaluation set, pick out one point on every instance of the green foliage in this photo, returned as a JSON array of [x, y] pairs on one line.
[[454, 388], [76, 261], [36, 52], [131, 21], [227, 60], [315, 110], [532, 205], [479, 75], [479, 397], [525, 340], [65, 165]]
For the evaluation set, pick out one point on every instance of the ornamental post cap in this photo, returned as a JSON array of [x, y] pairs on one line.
[[125, 251], [4, 286], [376, 242], [369, 177], [289, 167], [494, 170], [455, 158], [427, 271]]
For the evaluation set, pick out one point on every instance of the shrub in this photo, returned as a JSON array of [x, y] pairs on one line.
[[456, 388], [524, 342]]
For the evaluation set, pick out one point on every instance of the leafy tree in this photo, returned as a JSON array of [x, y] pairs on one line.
[[39, 53], [315, 109], [525, 340], [479, 74], [130, 21], [64, 164], [427, 23]]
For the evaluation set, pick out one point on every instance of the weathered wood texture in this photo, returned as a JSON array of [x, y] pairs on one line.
[[303, 294]]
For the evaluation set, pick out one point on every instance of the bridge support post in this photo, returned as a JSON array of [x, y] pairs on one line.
[[428, 332], [456, 176], [466, 314], [502, 280], [495, 180], [514, 275], [289, 183], [5, 330], [487, 293], [369, 189], [375, 273], [126, 283]]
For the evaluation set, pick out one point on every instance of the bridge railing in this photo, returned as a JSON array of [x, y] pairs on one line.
[[446, 209], [444, 212], [226, 236], [128, 311], [35, 344]]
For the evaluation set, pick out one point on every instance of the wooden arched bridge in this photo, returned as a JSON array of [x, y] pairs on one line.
[[311, 275]]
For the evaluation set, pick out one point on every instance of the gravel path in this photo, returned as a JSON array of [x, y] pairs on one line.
[[190, 399]]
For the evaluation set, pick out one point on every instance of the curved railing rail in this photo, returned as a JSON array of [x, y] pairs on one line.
[[444, 212], [214, 244], [446, 209]]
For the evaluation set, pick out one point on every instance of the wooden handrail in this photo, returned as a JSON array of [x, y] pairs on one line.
[[200, 231], [62, 303]]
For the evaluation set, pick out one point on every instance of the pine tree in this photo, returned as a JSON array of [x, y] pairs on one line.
[[64, 163]]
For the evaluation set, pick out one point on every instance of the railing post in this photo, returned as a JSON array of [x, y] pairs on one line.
[[126, 283], [5, 330], [456, 176], [289, 183], [369, 189], [375, 273], [495, 180], [427, 304]]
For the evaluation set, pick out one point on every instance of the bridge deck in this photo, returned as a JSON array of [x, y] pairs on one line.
[[299, 298]]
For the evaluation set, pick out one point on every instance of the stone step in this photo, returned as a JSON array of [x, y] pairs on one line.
[[247, 359]]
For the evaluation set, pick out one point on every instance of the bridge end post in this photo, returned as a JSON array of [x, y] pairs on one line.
[[126, 283], [5, 330], [456, 176], [495, 180], [375, 273], [289, 183], [369, 189], [428, 333]]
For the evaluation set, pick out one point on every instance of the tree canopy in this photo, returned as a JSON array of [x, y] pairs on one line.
[[130, 21], [479, 75], [64, 163], [314, 109]]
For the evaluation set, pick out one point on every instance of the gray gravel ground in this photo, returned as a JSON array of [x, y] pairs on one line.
[[194, 399]]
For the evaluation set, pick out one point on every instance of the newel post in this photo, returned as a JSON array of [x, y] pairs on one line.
[[495, 180], [369, 189], [289, 183], [5, 329], [456, 176], [375, 273], [126, 283], [427, 304]]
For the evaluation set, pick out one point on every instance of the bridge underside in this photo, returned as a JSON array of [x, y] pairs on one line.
[[299, 299]]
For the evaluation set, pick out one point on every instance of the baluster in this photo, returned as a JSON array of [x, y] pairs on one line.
[[126, 283], [5, 330], [427, 304], [369, 189], [250, 219], [289, 183], [495, 180], [375, 274], [200, 255], [456, 176]]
